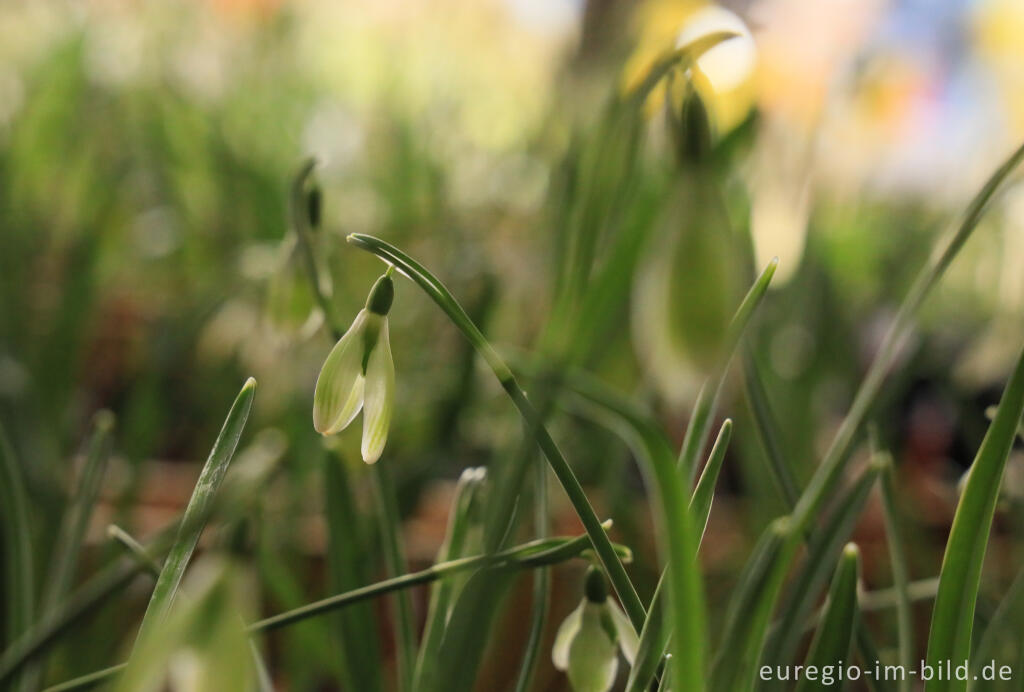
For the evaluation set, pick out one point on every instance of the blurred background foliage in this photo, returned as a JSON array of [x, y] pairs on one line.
[[145, 154]]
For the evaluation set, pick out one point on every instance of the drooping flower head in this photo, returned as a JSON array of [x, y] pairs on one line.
[[359, 373], [588, 641]]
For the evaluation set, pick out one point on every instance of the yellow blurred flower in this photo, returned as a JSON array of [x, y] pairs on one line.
[[728, 68], [997, 28]]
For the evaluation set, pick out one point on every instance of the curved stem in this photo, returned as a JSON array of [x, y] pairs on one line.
[[534, 554], [412, 269]]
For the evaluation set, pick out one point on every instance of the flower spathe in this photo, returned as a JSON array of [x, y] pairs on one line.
[[359, 374], [589, 639]]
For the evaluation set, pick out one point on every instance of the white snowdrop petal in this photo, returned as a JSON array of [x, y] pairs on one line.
[[593, 654], [335, 402], [378, 397], [563, 639]]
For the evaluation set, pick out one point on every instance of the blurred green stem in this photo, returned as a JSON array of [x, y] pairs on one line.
[[17, 544], [395, 563], [541, 585], [134, 549], [439, 294]]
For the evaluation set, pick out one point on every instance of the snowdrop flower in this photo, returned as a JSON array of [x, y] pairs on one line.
[[588, 641], [360, 374]]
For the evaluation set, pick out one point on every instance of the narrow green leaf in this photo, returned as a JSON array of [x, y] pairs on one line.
[[529, 555], [900, 572], [676, 524], [462, 518], [198, 510], [395, 563], [69, 542], [953, 614], [347, 555], [541, 587], [654, 636], [207, 626], [241, 487], [830, 648], [830, 471], [823, 551], [750, 609], [17, 545], [134, 548], [998, 624], [68, 546], [699, 427], [704, 493], [767, 431]]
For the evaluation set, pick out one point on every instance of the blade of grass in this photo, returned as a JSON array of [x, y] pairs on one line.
[[1000, 621], [699, 427], [830, 470], [900, 571], [87, 681], [750, 609], [138, 552], [834, 638], [68, 546], [390, 527], [347, 555], [526, 556], [704, 493], [443, 298], [134, 548], [469, 627], [870, 657], [17, 545], [461, 520], [530, 555], [953, 614], [238, 493], [676, 527], [541, 587], [198, 510], [920, 590], [823, 551], [654, 637], [767, 431]]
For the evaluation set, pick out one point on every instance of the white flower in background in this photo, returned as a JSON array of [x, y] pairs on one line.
[[588, 641], [359, 373]]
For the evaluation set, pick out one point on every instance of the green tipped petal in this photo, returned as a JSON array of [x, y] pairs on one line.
[[593, 654], [629, 642], [563, 639], [378, 397], [338, 394]]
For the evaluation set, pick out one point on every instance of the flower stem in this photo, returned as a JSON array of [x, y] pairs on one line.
[[395, 563], [412, 269]]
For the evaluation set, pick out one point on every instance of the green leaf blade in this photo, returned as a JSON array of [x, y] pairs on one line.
[[198, 510], [953, 615], [834, 638]]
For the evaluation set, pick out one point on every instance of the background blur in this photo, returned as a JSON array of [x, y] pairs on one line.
[[145, 154]]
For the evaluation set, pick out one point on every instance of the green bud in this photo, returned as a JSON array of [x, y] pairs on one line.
[[381, 296], [595, 587], [692, 130]]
